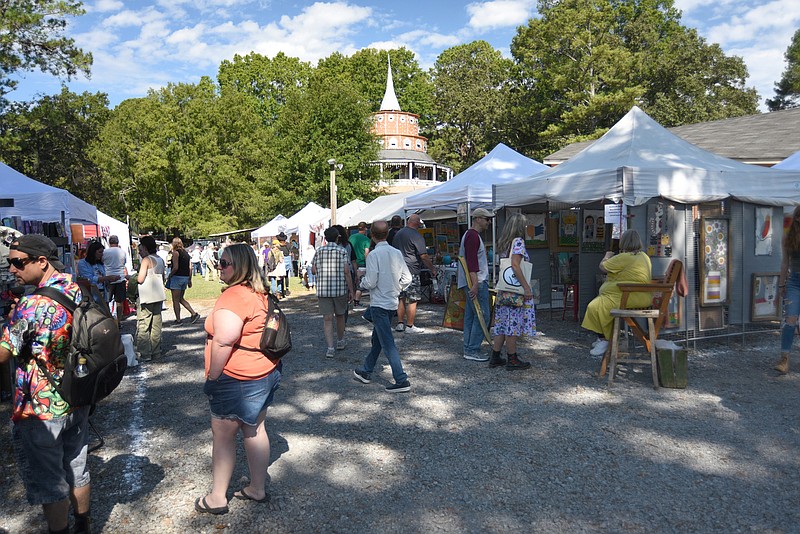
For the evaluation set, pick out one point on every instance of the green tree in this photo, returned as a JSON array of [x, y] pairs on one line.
[[787, 90], [471, 91], [328, 120], [268, 80], [584, 63], [30, 38], [49, 139]]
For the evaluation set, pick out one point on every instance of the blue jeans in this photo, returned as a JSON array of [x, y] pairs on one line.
[[382, 338], [473, 333], [791, 308]]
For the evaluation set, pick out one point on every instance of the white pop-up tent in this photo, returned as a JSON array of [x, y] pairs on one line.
[[110, 226], [502, 165], [638, 160], [380, 209], [792, 163], [272, 228], [313, 218], [349, 211], [37, 201]]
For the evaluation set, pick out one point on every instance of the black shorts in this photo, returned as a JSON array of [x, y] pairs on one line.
[[117, 292]]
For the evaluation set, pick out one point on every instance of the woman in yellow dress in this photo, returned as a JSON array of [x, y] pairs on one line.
[[631, 265]]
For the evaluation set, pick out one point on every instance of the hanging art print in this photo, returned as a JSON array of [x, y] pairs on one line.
[[764, 231], [593, 231], [660, 220], [715, 254], [568, 229], [535, 232]]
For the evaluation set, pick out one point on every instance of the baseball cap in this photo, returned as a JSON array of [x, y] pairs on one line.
[[38, 245], [481, 212]]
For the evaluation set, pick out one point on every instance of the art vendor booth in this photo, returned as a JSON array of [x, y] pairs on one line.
[[713, 214]]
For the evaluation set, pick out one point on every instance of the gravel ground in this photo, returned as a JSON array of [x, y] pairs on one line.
[[469, 449]]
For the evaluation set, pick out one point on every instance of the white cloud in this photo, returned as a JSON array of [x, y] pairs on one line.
[[499, 14], [104, 6], [430, 39], [123, 19]]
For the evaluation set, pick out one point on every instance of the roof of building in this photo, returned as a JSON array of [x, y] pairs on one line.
[[761, 139], [389, 102], [400, 155]]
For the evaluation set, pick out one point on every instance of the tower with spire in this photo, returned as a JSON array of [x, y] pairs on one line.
[[403, 158]]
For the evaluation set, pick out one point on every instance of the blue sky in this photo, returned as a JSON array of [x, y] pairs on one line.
[[145, 44]]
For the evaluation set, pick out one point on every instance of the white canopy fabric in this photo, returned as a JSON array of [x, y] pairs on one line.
[[502, 165], [37, 201], [350, 210], [272, 228], [792, 163], [637, 160], [110, 226], [312, 218], [387, 206]]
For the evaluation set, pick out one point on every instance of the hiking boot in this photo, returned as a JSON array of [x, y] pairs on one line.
[[362, 377], [514, 363], [783, 365], [496, 360], [402, 387]]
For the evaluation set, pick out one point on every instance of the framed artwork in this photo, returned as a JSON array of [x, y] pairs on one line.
[[660, 222], [711, 318], [764, 301], [593, 231], [429, 236], [763, 231], [536, 235], [714, 256], [568, 229], [454, 311]]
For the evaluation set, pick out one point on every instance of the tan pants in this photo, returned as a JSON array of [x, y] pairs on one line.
[[211, 272], [148, 330]]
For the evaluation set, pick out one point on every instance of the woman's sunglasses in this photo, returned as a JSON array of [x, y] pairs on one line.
[[19, 263], [225, 263]]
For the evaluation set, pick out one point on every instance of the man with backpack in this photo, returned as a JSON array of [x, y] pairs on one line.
[[37, 336]]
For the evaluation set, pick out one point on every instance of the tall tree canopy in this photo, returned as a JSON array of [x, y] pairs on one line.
[[471, 88], [787, 90], [584, 63], [30, 38]]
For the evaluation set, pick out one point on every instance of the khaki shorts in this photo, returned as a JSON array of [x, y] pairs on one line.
[[333, 305]]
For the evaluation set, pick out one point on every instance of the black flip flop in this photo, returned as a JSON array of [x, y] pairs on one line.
[[242, 495], [202, 506]]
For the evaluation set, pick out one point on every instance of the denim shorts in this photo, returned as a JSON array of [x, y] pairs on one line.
[[231, 398], [51, 455], [178, 282]]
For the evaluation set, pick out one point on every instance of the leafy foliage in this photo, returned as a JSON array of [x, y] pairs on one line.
[[30, 38], [787, 90]]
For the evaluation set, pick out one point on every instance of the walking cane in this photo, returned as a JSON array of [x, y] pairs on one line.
[[475, 301]]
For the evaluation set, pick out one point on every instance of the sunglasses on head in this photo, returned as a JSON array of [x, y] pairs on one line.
[[19, 263], [225, 263]]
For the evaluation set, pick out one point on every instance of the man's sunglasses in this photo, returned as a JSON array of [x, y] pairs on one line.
[[225, 263], [19, 263]]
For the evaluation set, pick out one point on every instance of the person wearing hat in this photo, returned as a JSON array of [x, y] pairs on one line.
[[54, 470], [288, 270], [473, 251]]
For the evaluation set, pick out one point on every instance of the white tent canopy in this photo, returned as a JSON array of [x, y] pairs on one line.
[[349, 211], [792, 163], [313, 218], [272, 228], [37, 201], [110, 226], [474, 185], [637, 160], [387, 206]]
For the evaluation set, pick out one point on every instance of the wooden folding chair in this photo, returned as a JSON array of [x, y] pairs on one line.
[[662, 289]]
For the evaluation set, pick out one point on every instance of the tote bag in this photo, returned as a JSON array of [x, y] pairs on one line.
[[152, 289], [508, 280]]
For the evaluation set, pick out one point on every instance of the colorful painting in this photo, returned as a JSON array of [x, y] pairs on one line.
[[763, 231], [660, 222], [536, 236], [593, 233], [568, 229], [765, 297], [454, 311], [715, 254]]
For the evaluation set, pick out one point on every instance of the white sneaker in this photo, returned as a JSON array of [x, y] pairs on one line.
[[600, 348], [341, 344], [331, 352], [415, 329], [596, 341], [400, 327]]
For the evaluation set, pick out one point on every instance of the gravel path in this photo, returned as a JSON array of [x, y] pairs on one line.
[[470, 449]]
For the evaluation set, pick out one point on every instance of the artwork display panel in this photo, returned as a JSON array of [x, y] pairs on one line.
[[660, 223], [536, 231], [568, 228], [593, 231], [765, 297], [714, 255], [763, 231]]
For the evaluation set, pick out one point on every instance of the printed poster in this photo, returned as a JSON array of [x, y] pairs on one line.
[[763, 231]]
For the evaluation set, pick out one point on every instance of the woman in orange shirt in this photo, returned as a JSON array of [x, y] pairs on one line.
[[240, 380]]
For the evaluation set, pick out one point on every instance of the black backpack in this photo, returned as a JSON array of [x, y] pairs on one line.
[[96, 337], [276, 340]]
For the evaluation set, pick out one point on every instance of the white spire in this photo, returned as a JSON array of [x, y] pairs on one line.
[[390, 102]]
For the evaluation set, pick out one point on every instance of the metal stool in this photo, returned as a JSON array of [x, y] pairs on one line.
[[619, 315]]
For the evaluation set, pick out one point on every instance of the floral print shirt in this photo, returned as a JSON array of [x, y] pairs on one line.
[[51, 327]]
